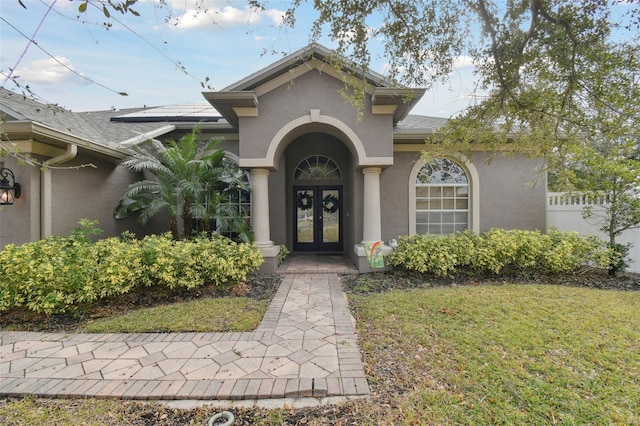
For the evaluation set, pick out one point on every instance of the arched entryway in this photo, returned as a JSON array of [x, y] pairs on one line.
[[318, 194]]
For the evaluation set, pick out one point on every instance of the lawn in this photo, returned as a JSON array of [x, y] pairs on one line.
[[204, 315], [467, 354], [509, 354]]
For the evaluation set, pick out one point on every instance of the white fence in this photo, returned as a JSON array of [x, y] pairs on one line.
[[564, 212]]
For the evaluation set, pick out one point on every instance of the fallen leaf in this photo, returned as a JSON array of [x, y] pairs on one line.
[[446, 310]]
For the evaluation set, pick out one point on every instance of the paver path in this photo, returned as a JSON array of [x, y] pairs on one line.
[[304, 347]]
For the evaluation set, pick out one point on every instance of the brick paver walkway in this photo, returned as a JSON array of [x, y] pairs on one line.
[[304, 347]]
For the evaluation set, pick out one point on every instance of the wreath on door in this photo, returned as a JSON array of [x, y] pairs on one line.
[[304, 201], [330, 203]]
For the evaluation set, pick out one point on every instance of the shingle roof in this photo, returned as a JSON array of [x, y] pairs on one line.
[[419, 124], [98, 126], [22, 107], [94, 126]]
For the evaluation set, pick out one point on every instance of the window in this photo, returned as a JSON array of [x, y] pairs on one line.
[[240, 202], [236, 200], [441, 198], [316, 167]]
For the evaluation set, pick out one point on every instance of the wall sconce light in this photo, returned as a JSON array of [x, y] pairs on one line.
[[9, 189]]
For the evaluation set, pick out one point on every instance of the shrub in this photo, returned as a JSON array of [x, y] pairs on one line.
[[117, 267], [434, 254], [48, 275], [499, 250], [569, 250], [191, 263], [58, 273], [282, 254]]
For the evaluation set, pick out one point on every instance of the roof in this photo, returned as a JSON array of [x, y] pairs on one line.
[[241, 98], [111, 129], [111, 132], [418, 126], [297, 58], [193, 113]]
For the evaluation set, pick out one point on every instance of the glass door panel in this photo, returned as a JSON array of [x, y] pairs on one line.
[[330, 215], [318, 218], [304, 215]]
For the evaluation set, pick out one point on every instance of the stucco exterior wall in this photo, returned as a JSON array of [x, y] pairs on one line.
[[512, 192], [312, 90], [93, 194], [507, 197], [394, 195], [20, 222]]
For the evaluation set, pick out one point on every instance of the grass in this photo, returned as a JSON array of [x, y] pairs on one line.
[[95, 412], [513, 354], [201, 315], [491, 354]]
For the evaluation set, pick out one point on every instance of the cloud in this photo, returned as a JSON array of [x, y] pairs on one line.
[[48, 71], [463, 62], [208, 14]]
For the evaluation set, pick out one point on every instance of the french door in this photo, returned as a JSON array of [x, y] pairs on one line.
[[317, 218]]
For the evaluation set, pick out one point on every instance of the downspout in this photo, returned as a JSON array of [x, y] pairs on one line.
[[46, 211]]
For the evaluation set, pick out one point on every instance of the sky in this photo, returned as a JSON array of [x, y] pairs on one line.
[[163, 56]]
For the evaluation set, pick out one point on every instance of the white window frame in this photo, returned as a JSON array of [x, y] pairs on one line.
[[474, 191]]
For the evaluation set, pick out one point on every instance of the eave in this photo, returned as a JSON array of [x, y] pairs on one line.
[[28, 136], [396, 101], [234, 104]]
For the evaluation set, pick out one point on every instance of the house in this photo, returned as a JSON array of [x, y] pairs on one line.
[[325, 176]]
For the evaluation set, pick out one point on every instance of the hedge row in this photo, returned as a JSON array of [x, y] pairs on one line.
[[57, 273], [498, 250]]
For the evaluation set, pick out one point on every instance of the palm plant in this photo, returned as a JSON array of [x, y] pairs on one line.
[[190, 184]]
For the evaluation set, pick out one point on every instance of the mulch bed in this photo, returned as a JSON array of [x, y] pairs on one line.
[[404, 280]]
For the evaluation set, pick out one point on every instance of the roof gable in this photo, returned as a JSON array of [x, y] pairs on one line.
[[303, 60], [241, 98]]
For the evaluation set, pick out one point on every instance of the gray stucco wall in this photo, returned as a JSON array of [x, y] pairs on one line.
[[394, 195], [85, 193], [507, 197], [20, 222], [313, 90], [93, 193]]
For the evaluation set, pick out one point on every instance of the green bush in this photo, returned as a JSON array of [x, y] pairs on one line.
[[497, 251], [48, 275], [58, 273], [500, 249], [569, 250], [191, 263]]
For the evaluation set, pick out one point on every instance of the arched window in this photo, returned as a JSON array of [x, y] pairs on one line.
[[316, 167], [442, 198]]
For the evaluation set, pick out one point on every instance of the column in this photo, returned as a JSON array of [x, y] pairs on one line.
[[371, 222], [260, 207]]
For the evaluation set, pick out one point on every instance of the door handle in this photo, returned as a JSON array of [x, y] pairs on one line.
[[319, 217]]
